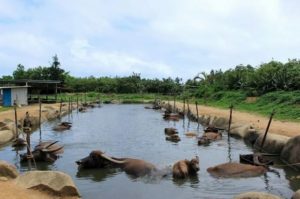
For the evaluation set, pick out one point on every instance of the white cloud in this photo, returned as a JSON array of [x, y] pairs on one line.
[[155, 38], [112, 63]]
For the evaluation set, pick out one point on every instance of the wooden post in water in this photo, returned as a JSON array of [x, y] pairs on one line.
[[40, 118], [229, 126], [174, 104], [230, 119], [69, 106], [16, 120], [267, 129], [40, 112], [60, 107], [183, 107], [188, 107], [99, 100], [77, 103], [29, 155], [196, 103]]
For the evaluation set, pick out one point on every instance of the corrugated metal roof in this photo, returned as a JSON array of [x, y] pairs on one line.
[[32, 81], [3, 87]]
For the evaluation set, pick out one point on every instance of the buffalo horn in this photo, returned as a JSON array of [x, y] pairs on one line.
[[112, 160]]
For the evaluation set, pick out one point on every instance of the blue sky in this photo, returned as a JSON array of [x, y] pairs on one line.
[[155, 38]]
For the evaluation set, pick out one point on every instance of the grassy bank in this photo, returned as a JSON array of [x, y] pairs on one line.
[[123, 98], [4, 108], [286, 104]]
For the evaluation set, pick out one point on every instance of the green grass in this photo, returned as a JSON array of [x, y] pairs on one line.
[[123, 98], [4, 108], [285, 104]]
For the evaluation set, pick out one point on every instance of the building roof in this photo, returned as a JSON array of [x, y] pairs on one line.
[[31, 81], [3, 87]]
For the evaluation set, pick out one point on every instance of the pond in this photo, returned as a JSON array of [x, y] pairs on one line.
[[132, 131]]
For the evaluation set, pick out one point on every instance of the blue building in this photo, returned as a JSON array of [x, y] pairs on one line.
[[14, 94]]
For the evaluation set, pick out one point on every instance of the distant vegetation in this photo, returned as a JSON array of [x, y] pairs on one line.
[[254, 81], [271, 85]]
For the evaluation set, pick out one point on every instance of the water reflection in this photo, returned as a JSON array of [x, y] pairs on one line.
[[293, 176], [191, 180], [97, 175], [132, 131]]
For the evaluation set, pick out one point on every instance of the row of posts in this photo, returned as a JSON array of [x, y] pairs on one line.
[[186, 101], [27, 130]]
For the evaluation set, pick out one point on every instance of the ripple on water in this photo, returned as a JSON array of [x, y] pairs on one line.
[[132, 131]]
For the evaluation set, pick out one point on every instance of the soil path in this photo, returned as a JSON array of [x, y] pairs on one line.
[[257, 121], [289, 129], [9, 190], [33, 110]]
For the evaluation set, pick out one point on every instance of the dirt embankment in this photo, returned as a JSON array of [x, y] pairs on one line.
[[32, 109], [7, 119], [10, 190], [289, 129]]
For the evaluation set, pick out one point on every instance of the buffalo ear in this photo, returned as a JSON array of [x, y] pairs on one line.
[[95, 156]]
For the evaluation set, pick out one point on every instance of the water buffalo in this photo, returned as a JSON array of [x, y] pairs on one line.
[[171, 116], [19, 142], [191, 134], [63, 126], [134, 167], [212, 136], [44, 152], [208, 137], [203, 141], [173, 138], [229, 170], [82, 109], [171, 131], [211, 129], [185, 168]]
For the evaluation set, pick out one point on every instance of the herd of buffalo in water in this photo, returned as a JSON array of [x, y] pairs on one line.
[[49, 152]]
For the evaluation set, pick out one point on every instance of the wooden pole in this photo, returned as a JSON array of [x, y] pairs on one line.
[[267, 129], [77, 103], [56, 93], [196, 103], [69, 107], [16, 120], [183, 106], [40, 112], [229, 126], [188, 107], [40, 118], [29, 155], [230, 119], [60, 107], [174, 104]]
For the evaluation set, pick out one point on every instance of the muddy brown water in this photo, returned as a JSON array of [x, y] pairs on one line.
[[132, 131]]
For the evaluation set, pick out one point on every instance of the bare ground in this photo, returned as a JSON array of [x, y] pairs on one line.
[[9, 190], [289, 129], [32, 109]]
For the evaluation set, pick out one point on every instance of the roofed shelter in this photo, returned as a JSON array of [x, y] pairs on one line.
[[35, 89], [14, 94]]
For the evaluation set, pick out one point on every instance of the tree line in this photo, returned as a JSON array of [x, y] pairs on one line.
[[130, 84], [254, 81]]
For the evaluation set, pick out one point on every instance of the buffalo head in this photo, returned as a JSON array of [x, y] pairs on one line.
[[194, 165], [97, 159]]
